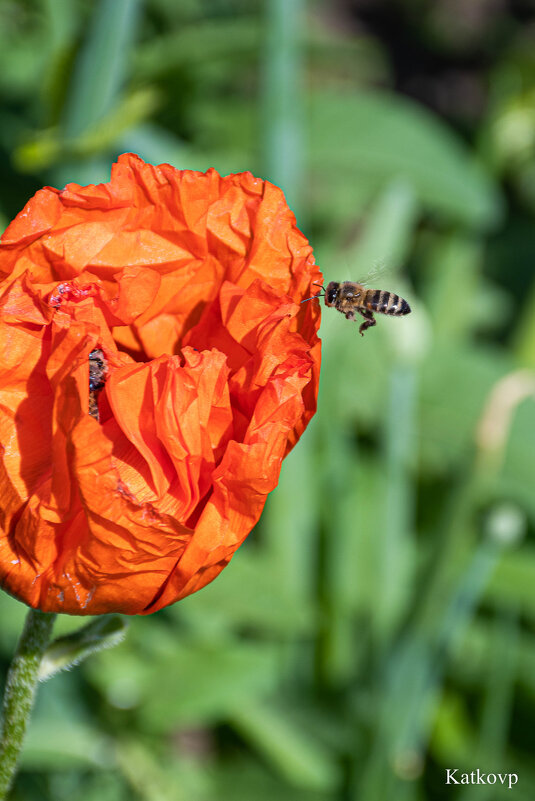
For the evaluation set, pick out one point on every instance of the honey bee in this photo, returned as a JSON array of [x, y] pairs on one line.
[[350, 297], [98, 368]]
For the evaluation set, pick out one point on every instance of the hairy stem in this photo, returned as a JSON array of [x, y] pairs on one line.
[[19, 694]]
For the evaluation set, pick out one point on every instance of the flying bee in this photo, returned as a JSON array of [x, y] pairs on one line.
[[98, 368], [350, 297]]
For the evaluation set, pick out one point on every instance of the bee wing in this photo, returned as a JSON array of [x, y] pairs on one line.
[[379, 270]]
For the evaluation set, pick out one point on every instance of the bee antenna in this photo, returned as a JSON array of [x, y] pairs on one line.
[[319, 295]]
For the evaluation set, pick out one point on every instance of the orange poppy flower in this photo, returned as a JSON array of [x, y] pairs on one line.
[[176, 294]]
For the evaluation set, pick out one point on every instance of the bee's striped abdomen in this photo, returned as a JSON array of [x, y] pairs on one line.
[[383, 302]]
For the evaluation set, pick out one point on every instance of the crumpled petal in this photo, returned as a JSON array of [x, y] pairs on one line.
[[189, 286]]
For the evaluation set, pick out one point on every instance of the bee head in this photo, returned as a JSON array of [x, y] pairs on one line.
[[331, 293]]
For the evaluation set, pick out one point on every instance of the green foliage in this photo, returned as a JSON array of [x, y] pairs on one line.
[[378, 626], [373, 136], [63, 653]]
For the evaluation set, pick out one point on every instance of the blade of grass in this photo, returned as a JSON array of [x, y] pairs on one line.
[[101, 66], [301, 759], [396, 560], [497, 709], [290, 526], [387, 233], [336, 578], [282, 93], [408, 696], [97, 81]]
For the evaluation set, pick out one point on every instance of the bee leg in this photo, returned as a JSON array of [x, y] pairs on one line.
[[369, 320]]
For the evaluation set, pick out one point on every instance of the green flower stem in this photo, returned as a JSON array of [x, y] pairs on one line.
[[20, 692]]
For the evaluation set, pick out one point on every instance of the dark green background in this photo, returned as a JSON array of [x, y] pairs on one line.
[[378, 625]]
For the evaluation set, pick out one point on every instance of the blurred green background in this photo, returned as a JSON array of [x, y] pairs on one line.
[[378, 626]]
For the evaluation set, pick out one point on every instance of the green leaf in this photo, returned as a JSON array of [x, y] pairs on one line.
[[244, 779], [456, 382], [202, 682], [202, 43], [513, 582], [65, 652], [376, 136], [300, 759], [60, 745], [256, 591]]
